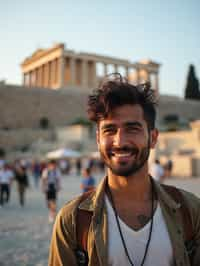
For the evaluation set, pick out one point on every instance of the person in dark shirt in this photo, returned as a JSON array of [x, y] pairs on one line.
[[22, 183]]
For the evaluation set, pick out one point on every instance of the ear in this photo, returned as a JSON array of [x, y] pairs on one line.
[[154, 137]]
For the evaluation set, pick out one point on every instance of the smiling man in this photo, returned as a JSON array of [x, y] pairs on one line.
[[130, 219]]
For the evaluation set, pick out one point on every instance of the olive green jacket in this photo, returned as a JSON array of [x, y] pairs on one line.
[[64, 242]]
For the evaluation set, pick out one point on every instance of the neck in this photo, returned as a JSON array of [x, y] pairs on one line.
[[136, 187]]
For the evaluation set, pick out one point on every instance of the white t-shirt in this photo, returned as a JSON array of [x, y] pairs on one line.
[[160, 249], [156, 171], [52, 176], [6, 176]]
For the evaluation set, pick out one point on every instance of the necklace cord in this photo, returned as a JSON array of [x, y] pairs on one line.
[[120, 230]]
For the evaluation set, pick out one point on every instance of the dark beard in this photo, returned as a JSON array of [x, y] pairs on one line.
[[135, 167], [143, 157]]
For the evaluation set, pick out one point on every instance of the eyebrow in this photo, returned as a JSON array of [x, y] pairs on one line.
[[132, 124], [106, 126]]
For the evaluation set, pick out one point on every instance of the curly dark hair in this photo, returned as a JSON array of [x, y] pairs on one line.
[[115, 91]]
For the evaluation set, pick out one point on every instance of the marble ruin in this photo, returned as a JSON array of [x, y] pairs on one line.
[[58, 67]]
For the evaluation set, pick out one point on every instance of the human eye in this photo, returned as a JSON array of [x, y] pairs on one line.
[[108, 130], [133, 128]]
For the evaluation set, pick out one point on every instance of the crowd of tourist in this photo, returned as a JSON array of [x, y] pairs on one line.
[[37, 174]]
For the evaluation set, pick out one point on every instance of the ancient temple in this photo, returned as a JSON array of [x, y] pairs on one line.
[[58, 67]]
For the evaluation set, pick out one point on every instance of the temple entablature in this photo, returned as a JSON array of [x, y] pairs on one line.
[[58, 67]]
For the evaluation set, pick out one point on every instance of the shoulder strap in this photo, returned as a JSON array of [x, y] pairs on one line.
[[185, 213], [83, 221]]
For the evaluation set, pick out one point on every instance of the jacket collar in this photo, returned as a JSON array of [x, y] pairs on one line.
[[96, 197], [165, 197]]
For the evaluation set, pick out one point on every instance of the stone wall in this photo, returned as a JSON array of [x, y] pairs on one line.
[[183, 148], [189, 110], [16, 139], [22, 107]]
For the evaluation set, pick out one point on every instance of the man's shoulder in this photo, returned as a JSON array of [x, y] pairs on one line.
[[190, 199], [69, 211], [70, 207]]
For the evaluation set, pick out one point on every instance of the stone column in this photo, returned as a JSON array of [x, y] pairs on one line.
[[46, 75], [36, 76], [61, 71], [72, 71], [105, 69], [92, 74], [53, 73], [49, 74], [31, 79], [115, 68], [84, 79], [24, 79], [127, 72], [156, 84], [43, 75], [147, 76], [95, 82], [137, 76]]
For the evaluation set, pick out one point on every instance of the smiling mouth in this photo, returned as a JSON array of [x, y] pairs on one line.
[[123, 153]]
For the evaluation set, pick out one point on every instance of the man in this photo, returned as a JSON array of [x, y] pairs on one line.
[[157, 171], [21, 178], [6, 178], [134, 221], [88, 181], [51, 177]]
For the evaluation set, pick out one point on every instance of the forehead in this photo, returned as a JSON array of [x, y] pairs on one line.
[[123, 114]]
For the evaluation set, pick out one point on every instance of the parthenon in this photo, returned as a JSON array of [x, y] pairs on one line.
[[58, 67]]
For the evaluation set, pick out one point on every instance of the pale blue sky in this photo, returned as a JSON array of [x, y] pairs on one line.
[[164, 31]]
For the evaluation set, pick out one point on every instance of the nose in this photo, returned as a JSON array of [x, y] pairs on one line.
[[120, 138]]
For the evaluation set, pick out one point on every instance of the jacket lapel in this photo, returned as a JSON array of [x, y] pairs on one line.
[[97, 236], [172, 216]]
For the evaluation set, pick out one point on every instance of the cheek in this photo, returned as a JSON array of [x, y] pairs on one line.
[[140, 140], [103, 143]]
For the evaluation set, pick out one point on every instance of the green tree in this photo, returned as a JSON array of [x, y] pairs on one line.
[[192, 85]]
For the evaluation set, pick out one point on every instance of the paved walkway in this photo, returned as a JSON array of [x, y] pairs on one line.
[[25, 233]]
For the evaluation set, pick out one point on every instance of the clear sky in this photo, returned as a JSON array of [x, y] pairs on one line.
[[167, 32]]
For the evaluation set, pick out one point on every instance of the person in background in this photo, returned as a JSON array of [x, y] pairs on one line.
[[78, 166], [88, 181], [157, 171], [36, 170], [168, 168], [22, 182], [6, 178], [51, 184]]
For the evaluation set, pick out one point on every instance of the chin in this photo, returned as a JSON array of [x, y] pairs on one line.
[[123, 172]]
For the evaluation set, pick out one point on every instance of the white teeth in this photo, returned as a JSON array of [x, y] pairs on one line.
[[122, 154]]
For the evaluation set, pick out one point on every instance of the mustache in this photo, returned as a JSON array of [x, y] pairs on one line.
[[125, 149]]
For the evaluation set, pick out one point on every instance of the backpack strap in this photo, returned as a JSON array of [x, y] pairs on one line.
[[185, 213]]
